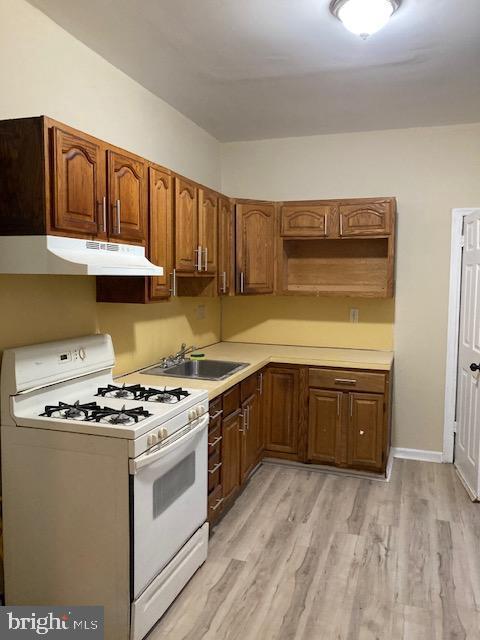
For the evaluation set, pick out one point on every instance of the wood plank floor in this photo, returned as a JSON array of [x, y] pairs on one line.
[[311, 556]]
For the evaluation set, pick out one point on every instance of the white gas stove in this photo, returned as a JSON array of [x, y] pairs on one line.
[[134, 457]]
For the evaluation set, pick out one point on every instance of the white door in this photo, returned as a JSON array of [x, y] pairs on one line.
[[467, 443]]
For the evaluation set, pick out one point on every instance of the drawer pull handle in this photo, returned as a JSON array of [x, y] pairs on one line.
[[215, 468], [217, 504], [215, 442], [345, 381], [216, 415]]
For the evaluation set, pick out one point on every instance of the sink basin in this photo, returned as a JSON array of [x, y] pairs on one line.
[[199, 369]]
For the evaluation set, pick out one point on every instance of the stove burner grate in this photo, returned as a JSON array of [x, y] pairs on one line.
[[121, 416], [131, 392], [75, 411], [168, 396]]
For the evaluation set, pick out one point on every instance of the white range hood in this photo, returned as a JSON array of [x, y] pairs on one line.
[[71, 256]]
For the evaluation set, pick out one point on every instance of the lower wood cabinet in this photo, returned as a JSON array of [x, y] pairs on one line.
[[324, 426], [282, 412], [334, 417]]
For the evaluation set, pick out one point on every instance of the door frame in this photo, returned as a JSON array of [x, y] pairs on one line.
[[449, 427]]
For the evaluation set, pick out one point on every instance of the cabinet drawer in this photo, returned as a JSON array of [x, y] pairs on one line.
[[215, 436], [214, 469], [248, 387], [350, 380], [214, 407], [215, 501], [231, 400]]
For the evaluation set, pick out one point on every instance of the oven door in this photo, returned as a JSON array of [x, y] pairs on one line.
[[169, 500]]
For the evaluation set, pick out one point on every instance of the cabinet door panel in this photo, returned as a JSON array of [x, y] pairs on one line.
[[161, 228], [255, 247], [252, 436], [231, 453], [79, 185], [207, 229], [226, 247], [312, 221], [372, 219], [186, 232], [282, 390], [324, 426], [128, 198], [365, 430]]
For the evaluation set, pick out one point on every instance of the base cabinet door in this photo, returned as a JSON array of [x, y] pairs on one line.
[[324, 426], [252, 439], [232, 432], [365, 431], [281, 412]]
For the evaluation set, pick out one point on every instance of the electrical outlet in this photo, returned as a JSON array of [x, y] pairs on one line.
[[200, 312], [354, 315]]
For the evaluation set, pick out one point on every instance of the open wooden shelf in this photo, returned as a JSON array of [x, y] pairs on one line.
[[336, 267]]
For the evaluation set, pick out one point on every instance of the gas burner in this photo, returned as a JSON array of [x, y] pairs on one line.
[[75, 411], [170, 396], [121, 416], [132, 392]]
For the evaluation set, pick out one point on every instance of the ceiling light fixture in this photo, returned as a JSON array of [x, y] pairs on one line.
[[364, 17]]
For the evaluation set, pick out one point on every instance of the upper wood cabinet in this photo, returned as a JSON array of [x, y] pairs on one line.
[[208, 229], [226, 247], [196, 221], [255, 225], [161, 230], [57, 180], [79, 184], [306, 220], [128, 197], [282, 411], [186, 226], [372, 218]]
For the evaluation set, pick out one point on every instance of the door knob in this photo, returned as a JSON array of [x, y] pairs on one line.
[[474, 367]]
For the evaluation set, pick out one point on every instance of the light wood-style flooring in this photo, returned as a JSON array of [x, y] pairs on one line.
[[311, 556]]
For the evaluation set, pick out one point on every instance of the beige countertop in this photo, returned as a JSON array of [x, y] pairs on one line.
[[259, 355]]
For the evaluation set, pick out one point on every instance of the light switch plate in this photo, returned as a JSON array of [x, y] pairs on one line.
[[200, 312]]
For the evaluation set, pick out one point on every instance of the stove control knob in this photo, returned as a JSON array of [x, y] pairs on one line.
[[162, 434], [200, 410], [192, 415], [152, 439]]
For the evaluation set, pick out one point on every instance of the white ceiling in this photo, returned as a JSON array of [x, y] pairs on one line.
[[248, 69]]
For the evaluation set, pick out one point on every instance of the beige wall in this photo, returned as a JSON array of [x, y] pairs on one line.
[[44, 70], [430, 171]]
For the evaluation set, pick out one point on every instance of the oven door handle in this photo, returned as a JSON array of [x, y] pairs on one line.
[[150, 458]]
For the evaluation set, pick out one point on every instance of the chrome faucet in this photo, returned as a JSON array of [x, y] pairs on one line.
[[178, 357]]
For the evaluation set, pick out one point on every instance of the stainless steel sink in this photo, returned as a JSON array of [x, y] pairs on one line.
[[198, 369]]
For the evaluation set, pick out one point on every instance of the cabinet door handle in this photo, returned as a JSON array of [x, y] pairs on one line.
[[361, 432], [217, 504], [351, 405], [248, 418], [345, 381], [341, 224], [338, 404], [103, 222], [260, 383], [242, 415], [325, 224], [242, 282], [216, 415], [215, 468], [224, 278], [173, 290], [206, 259], [118, 214], [215, 442]]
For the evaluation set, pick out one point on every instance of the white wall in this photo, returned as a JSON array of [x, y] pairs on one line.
[[45, 71], [430, 171]]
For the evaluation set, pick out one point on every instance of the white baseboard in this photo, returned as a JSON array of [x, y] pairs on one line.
[[418, 454]]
